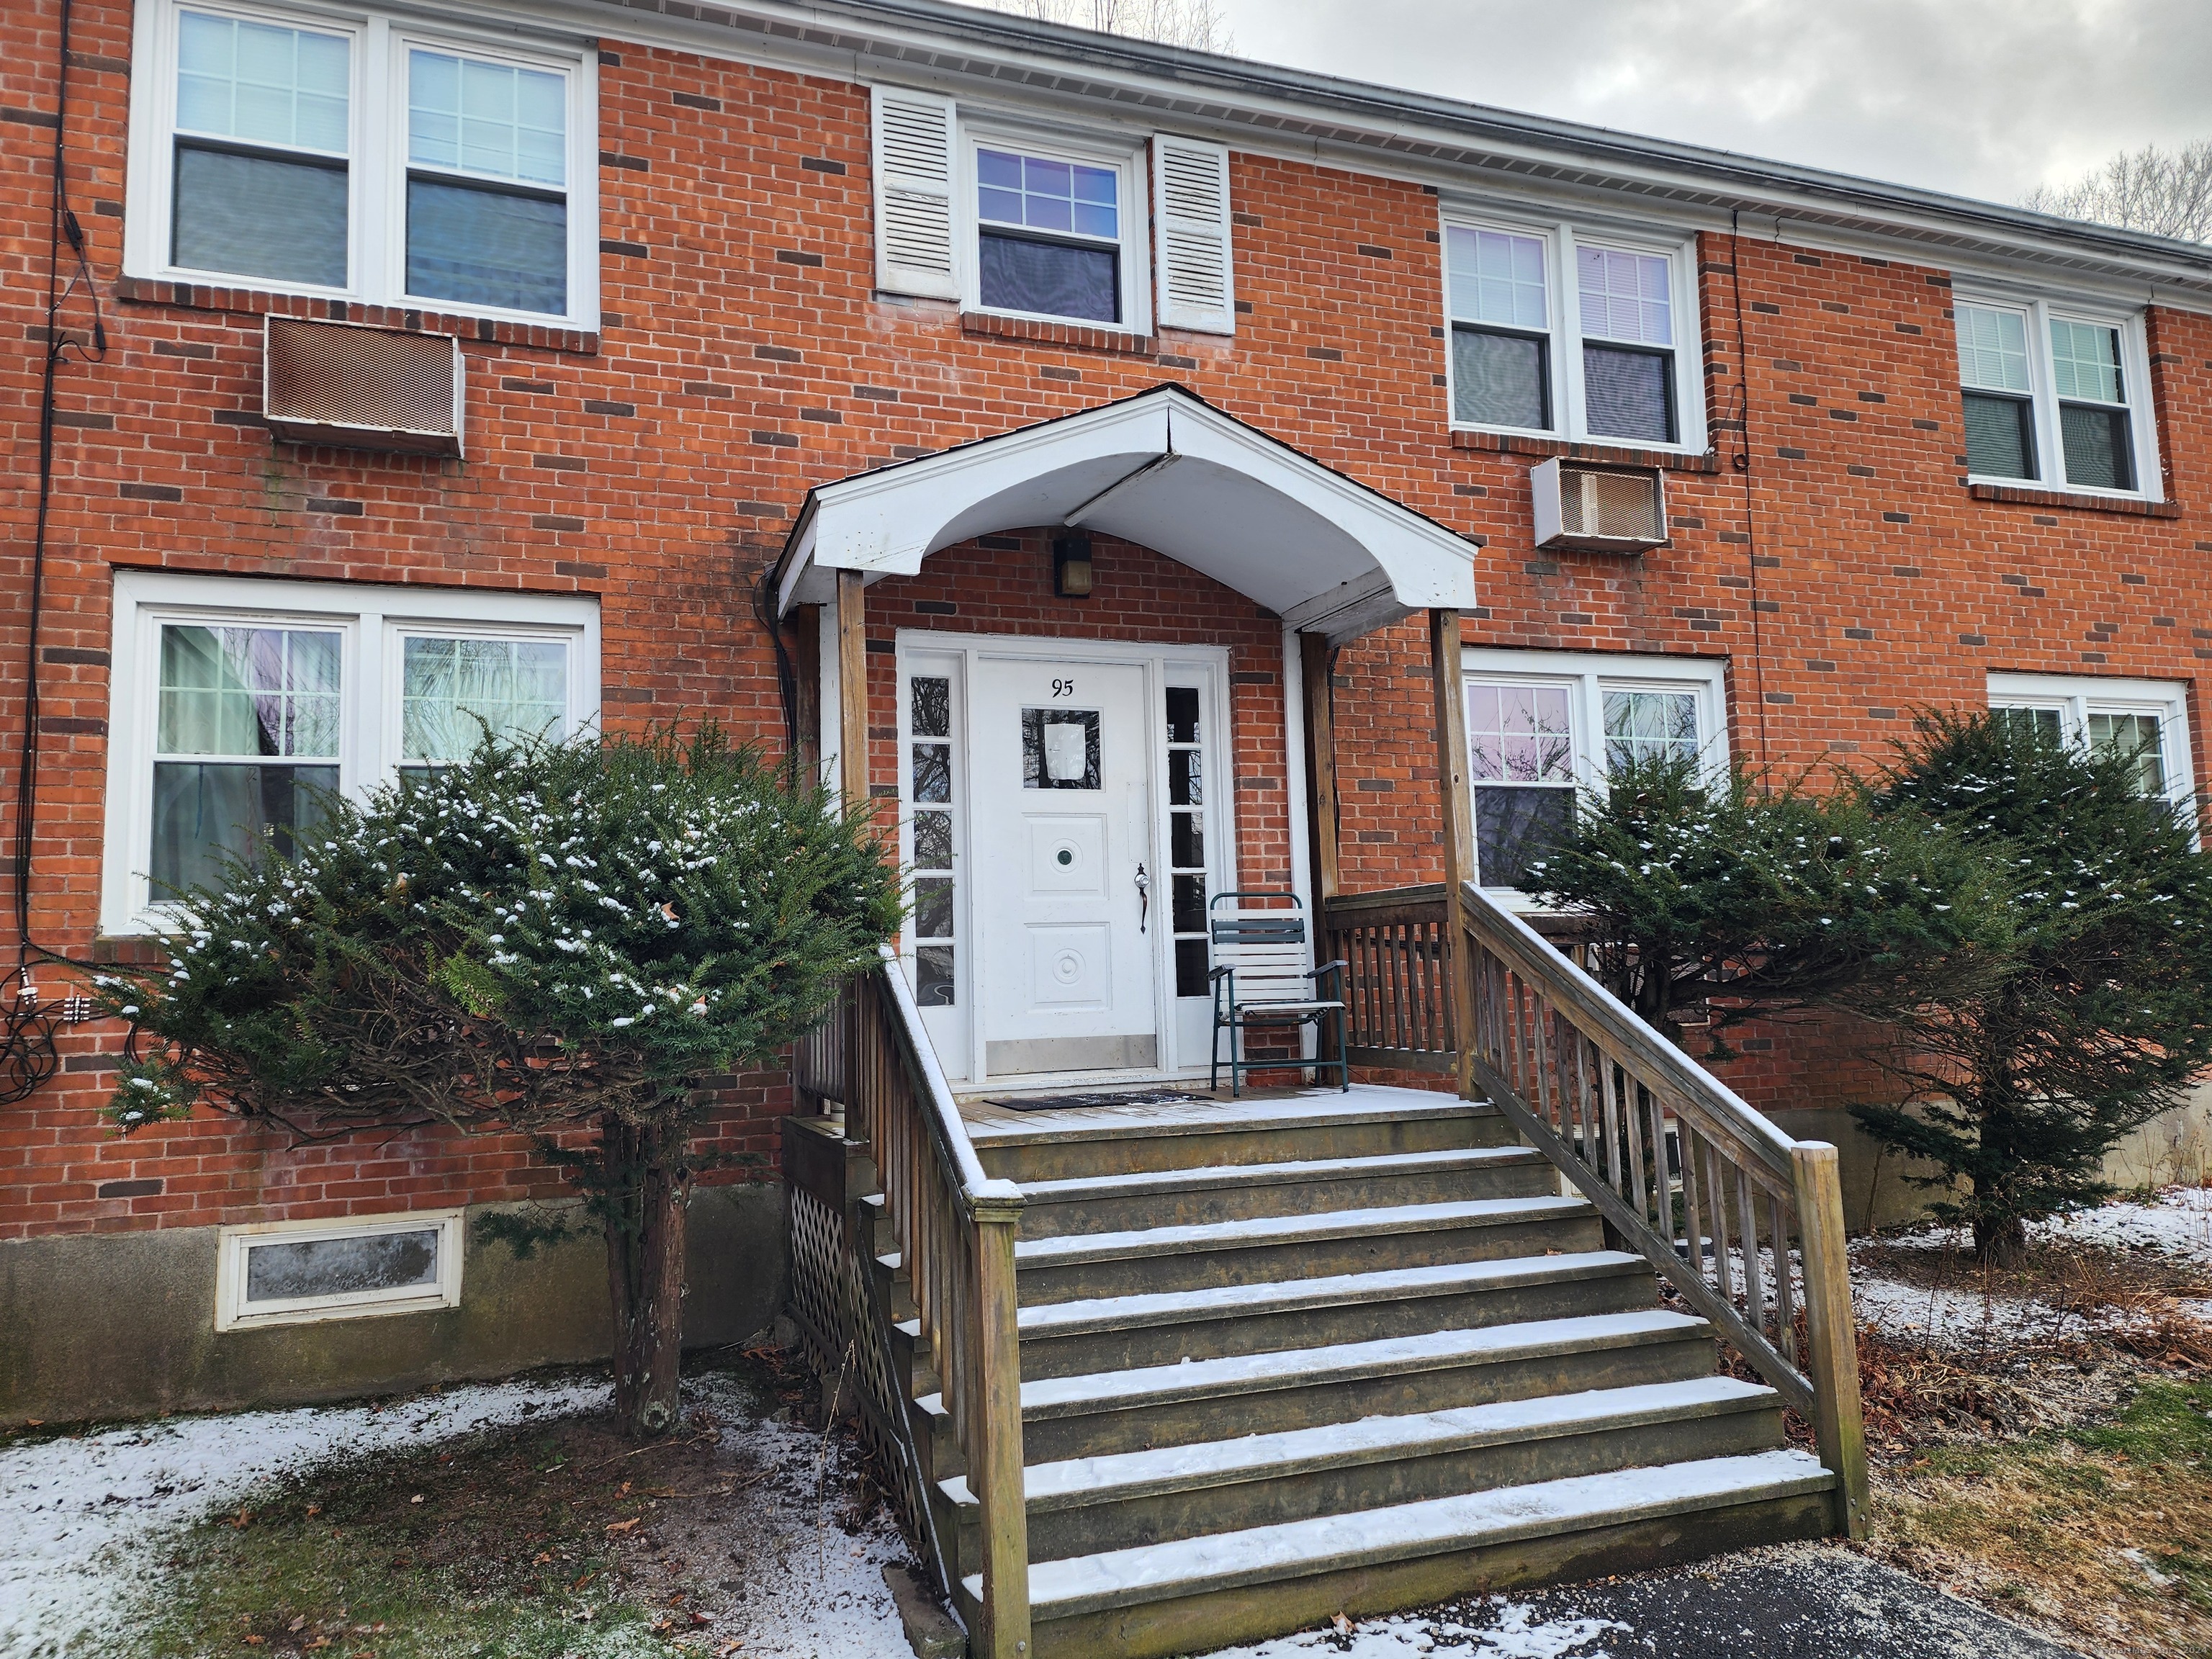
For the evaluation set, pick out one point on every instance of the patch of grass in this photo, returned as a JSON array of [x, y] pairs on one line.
[[555, 1540], [2101, 1535]]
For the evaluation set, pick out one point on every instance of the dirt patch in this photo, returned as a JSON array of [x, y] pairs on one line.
[[751, 1532]]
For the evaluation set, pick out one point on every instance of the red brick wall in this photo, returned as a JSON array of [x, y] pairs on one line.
[[743, 359]]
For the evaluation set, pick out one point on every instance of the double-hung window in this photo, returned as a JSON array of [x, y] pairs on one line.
[[1576, 336], [1542, 727], [241, 707], [1056, 231], [2145, 722], [2053, 397], [367, 159]]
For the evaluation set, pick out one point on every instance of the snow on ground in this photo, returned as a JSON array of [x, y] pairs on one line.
[[813, 1591], [2177, 1222], [74, 1512], [1518, 1633]]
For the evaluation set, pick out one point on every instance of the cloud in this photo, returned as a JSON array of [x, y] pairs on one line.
[[1983, 98]]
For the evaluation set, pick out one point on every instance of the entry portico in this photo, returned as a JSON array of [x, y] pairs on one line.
[[1067, 780]]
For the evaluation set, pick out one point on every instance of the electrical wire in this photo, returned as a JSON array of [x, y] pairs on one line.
[[1741, 464], [27, 1024]]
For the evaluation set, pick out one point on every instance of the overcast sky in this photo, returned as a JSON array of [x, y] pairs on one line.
[[1983, 98]]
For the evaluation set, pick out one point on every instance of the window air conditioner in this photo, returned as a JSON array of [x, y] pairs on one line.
[[1598, 509], [358, 387]]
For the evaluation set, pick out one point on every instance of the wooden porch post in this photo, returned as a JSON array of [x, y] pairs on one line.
[[1458, 827], [806, 624], [995, 1466], [1320, 771], [1321, 821], [852, 690], [1839, 1421]]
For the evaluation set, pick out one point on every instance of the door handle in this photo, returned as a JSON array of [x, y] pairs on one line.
[[1143, 898]]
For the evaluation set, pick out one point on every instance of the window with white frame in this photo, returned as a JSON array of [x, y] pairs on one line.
[[288, 1272], [2143, 722], [1539, 728], [2054, 397], [364, 157], [1572, 335], [240, 707], [1056, 230]]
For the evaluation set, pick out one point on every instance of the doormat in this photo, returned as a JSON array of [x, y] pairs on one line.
[[1063, 1102]]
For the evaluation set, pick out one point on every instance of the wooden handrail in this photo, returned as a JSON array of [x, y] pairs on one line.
[[1714, 1207], [956, 1226]]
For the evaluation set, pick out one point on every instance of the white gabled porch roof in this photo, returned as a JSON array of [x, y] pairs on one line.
[[1163, 469]]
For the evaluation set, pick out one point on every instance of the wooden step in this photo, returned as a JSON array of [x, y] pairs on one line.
[[1162, 1259], [1106, 1411], [1106, 1140], [1195, 1595], [1235, 1192], [1131, 1333], [1088, 1505]]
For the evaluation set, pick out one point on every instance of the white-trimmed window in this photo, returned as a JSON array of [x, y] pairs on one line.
[[237, 706], [369, 158], [1573, 335], [2055, 396], [1053, 228], [1540, 727], [2145, 720], [288, 1272]]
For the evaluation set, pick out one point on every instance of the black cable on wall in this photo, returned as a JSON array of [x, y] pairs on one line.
[[27, 1021], [1741, 462]]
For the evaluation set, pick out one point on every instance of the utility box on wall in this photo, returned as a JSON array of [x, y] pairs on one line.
[[1598, 509], [358, 387]]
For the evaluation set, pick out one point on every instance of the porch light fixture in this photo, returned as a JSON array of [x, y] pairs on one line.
[[1072, 575]]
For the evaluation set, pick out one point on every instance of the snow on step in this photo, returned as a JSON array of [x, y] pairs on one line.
[[1296, 1548], [1123, 1474], [1182, 1307], [1274, 1228], [1137, 1183], [1054, 1395], [1366, 1104]]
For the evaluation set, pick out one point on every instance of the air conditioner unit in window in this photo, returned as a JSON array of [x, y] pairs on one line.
[[1598, 509], [360, 387]]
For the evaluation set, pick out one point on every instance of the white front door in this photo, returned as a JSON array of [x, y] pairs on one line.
[[1068, 898]]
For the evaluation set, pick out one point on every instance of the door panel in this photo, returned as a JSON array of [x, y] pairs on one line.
[[1058, 751]]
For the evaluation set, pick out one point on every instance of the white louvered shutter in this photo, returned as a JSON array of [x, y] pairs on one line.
[[1190, 189], [914, 193]]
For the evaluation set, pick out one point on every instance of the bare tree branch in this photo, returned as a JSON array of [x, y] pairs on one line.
[[1197, 24], [2165, 192]]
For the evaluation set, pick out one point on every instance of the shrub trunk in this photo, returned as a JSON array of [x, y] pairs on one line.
[[648, 1189]]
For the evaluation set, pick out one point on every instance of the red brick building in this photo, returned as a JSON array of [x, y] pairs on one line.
[[679, 276]]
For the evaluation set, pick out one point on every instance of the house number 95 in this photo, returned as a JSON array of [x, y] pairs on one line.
[[1063, 688]]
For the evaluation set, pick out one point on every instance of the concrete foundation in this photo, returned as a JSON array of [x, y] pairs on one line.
[[96, 1325], [2174, 1148]]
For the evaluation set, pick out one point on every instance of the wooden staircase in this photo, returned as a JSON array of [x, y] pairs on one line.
[[1281, 1358]]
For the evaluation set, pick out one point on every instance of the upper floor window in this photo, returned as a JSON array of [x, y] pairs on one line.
[[1542, 727], [365, 159], [240, 708], [2144, 722], [1047, 236], [2053, 397], [1596, 357], [1053, 232]]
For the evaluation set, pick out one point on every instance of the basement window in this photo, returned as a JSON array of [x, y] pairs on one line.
[[1576, 336], [289, 1273], [363, 158], [2055, 397]]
